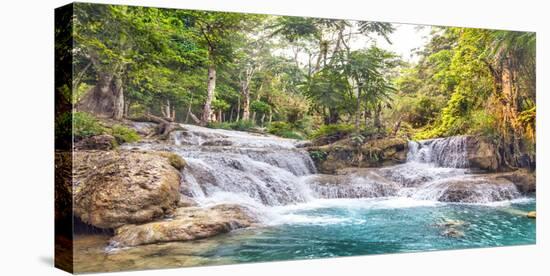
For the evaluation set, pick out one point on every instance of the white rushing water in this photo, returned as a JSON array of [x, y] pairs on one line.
[[273, 175]]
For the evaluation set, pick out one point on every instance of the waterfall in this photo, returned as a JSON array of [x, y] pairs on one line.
[[443, 152], [225, 166], [437, 169]]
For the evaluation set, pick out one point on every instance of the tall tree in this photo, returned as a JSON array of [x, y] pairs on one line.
[[218, 32]]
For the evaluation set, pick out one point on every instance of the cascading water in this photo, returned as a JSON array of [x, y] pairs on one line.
[[263, 170], [304, 215], [443, 152]]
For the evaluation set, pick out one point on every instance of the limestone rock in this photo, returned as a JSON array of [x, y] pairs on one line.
[[374, 153], [525, 180], [189, 223], [98, 142], [476, 189], [114, 188], [352, 183], [482, 154]]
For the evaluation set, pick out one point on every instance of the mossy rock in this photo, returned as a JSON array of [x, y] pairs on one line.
[[175, 160], [374, 153]]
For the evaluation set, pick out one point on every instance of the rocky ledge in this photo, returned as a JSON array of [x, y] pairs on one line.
[[188, 223], [488, 187], [114, 188], [137, 194], [374, 153]]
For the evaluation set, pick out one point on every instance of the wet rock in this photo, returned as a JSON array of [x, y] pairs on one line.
[[452, 223], [186, 201], [98, 142], [452, 228], [218, 143], [525, 180], [303, 144], [474, 189], [189, 223], [482, 153], [453, 233], [374, 153], [352, 183], [114, 188], [175, 160], [532, 214]]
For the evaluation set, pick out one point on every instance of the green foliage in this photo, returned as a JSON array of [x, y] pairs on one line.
[[329, 88], [63, 126], [284, 129], [260, 107], [318, 155], [333, 129], [357, 139], [241, 125], [418, 110], [220, 125], [219, 104], [176, 161], [277, 127], [162, 57], [124, 134], [84, 125], [483, 123]]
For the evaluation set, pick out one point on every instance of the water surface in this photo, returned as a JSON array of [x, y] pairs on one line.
[[331, 228]]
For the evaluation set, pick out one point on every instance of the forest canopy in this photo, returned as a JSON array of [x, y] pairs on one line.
[[300, 77]]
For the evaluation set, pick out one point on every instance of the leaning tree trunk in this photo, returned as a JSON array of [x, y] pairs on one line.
[[105, 99], [207, 111]]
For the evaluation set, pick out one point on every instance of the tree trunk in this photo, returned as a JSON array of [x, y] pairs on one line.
[[333, 115], [246, 102], [238, 109], [168, 110], [358, 111], [118, 106], [377, 123], [105, 99], [211, 87], [189, 109], [126, 109]]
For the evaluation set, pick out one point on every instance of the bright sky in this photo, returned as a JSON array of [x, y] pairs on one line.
[[405, 39]]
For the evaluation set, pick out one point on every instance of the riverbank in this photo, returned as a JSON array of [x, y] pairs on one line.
[[260, 188]]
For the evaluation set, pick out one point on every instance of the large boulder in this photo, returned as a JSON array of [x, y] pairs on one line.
[[474, 189], [482, 154], [373, 153], [113, 188], [524, 179], [188, 223]]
